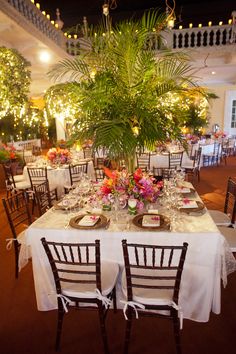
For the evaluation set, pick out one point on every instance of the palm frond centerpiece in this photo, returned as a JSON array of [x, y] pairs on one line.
[[126, 86]]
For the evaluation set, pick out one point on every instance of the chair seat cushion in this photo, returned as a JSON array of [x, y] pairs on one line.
[[151, 296], [109, 273], [23, 185], [230, 235], [19, 178], [220, 218]]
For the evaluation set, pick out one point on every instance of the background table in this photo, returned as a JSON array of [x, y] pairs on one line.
[[60, 177]]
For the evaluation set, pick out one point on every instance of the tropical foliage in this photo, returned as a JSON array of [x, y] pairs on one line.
[[125, 87]]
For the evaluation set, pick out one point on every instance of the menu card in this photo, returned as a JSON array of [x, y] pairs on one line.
[[151, 220]]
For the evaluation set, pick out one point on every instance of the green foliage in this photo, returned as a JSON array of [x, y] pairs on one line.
[[14, 81], [125, 87]]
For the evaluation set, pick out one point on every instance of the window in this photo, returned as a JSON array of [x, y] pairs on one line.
[[233, 116]]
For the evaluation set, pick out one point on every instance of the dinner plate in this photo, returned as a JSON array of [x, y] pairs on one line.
[[101, 223], [191, 190], [164, 222], [200, 206]]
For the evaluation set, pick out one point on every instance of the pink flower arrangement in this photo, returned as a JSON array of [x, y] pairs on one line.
[[58, 155], [139, 186], [220, 134], [7, 152]]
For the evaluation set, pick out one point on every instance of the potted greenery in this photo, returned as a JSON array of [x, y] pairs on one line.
[[125, 88]]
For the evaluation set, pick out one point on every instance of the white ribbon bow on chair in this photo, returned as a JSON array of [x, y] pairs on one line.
[[10, 242], [134, 305], [64, 301]]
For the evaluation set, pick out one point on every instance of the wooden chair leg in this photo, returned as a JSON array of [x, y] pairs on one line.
[[128, 331], [114, 300], [176, 325], [60, 317], [103, 328]]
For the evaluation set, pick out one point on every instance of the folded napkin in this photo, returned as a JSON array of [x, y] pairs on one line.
[[183, 190], [151, 220], [188, 204], [67, 203], [89, 220]]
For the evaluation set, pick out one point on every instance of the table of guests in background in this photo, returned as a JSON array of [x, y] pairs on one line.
[[208, 257], [59, 176]]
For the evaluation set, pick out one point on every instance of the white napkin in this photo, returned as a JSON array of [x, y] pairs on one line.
[[189, 205], [183, 190], [89, 220], [151, 220]]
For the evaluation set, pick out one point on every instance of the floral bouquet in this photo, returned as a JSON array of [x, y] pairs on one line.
[[139, 186], [58, 155], [7, 152], [220, 134]]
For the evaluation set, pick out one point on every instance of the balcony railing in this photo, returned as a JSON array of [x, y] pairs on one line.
[[210, 37], [27, 9], [214, 36]]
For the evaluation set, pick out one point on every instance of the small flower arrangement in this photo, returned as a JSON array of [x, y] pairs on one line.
[[220, 134], [58, 155], [125, 186], [7, 152]]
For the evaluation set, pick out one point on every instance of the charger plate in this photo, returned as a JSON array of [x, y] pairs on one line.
[[200, 206], [164, 222], [101, 223]]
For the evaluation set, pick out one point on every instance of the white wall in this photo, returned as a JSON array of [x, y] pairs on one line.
[[218, 106]]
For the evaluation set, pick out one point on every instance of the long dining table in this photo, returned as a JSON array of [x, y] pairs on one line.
[[208, 260]]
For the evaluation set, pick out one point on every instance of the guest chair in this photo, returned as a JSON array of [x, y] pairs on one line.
[[143, 161], [99, 174], [81, 278], [88, 153], [192, 168], [38, 175], [164, 173], [76, 171], [214, 157], [14, 182], [19, 218], [29, 159], [151, 282], [175, 159], [227, 218], [100, 162], [43, 197]]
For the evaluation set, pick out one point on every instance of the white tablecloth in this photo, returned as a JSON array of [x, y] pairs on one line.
[[59, 177], [208, 257]]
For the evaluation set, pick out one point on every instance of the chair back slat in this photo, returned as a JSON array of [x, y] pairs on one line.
[[74, 263], [175, 159], [43, 197], [153, 267], [18, 215], [143, 161], [76, 171], [37, 175]]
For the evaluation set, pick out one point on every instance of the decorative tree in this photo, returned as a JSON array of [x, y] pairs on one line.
[[62, 102], [124, 83], [14, 88]]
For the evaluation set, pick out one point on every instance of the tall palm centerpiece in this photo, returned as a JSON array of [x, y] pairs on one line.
[[126, 87]]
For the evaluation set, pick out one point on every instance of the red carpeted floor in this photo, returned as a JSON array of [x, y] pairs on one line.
[[23, 329]]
